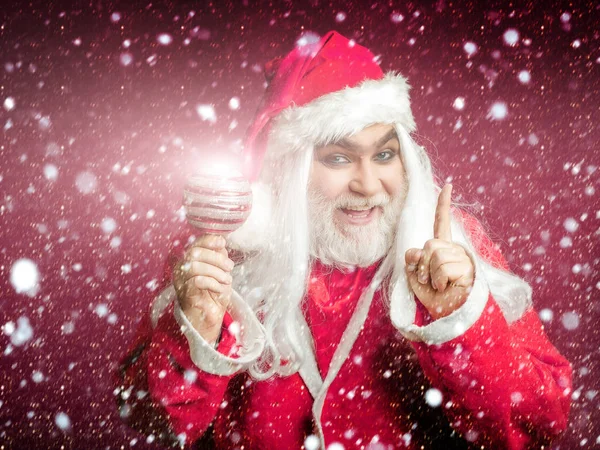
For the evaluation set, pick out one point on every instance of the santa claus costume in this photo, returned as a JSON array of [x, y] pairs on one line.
[[320, 356]]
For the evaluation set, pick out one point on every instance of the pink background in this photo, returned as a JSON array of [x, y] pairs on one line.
[[135, 130]]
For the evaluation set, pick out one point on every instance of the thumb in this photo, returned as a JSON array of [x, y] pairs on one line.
[[412, 257]]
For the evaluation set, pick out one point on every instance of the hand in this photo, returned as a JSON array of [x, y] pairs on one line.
[[203, 285], [441, 274]]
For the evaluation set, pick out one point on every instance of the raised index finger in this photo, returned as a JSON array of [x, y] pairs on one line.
[[441, 226]]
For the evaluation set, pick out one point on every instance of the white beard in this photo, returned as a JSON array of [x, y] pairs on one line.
[[339, 244]]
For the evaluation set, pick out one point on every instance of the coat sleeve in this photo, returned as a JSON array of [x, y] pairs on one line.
[[161, 392], [503, 384], [171, 383]]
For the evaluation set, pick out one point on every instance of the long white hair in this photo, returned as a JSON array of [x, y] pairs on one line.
[[273, 277]]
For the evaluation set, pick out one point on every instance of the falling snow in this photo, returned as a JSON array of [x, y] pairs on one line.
[[511, 37], [62, 421], [108, 225], [234, 103], [524, 76], [103, 113], [164, 39], [9, 103], [307, 38], [459, 103], [571, 225], [546, 315], [126, 58], [340, 17], [396, 17], [37, 376], [101, 310], [207, 113], [498, 111], [86, 182], [433, 397], [25, 277], [565, 17], [50, 172], [570, 320], [22, 333], [470, 48]]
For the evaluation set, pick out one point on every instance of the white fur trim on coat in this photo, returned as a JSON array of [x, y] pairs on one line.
[[446, 328], [250, 339], [342, 113]]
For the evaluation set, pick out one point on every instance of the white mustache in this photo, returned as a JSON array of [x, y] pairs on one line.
[[349, 201]]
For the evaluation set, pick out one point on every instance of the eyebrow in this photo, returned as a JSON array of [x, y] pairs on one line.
[[353, 146]]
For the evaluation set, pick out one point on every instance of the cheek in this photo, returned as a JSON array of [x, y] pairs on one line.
[[394, 180], [330, 183]]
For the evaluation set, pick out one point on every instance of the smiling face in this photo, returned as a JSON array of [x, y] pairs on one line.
[[356, 192]]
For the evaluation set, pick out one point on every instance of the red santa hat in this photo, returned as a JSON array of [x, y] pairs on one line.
[[321, 92]]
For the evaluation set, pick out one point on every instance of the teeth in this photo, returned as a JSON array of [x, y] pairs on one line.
[[358, 212]]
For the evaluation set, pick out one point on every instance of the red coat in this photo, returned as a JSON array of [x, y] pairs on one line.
[[497, 385]]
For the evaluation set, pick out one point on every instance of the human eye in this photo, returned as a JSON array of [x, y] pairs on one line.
[[385, 155], [335, 159]]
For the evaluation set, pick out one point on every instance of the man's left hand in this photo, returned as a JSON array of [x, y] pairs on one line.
[[441, 274]]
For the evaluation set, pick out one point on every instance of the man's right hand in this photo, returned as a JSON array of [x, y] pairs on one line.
[[203, 285]]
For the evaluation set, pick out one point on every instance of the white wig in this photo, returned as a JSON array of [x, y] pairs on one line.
[[273, 277]]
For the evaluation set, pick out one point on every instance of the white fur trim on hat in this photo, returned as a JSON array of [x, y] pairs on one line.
[[336, 115]]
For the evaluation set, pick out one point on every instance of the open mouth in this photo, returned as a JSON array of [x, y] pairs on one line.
[[359, 216]]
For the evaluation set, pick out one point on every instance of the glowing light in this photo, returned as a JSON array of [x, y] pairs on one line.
[[221, 169]]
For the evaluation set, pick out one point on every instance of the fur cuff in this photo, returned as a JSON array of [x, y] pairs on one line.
[[449, 327], [250, 337]]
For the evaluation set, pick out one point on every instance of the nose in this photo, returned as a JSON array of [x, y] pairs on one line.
[[366, 180]]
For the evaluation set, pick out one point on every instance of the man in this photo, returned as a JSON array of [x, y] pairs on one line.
[[366, 312]]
